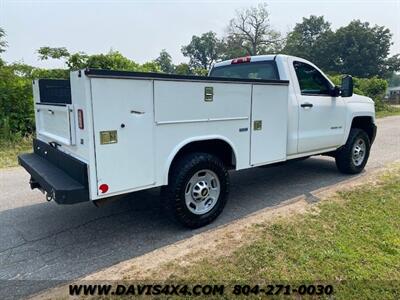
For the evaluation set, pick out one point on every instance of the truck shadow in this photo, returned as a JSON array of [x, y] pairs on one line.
[[47, 241]]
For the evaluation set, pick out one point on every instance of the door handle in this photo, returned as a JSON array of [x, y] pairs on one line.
[[306, 104], [137, 112]]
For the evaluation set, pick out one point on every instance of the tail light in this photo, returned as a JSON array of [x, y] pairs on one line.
[[81, 125], [241, 60]]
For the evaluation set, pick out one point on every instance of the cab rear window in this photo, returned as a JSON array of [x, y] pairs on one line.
[[265, 70]]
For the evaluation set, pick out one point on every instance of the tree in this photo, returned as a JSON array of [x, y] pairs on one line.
[[203, 50], [252, 31], [53, 52], [150, 66], [113, 60], [183, 69], [232, 48], [164, 60], [363, 50], [394, 80], [16, 104], [30, 72], [3, 42], [73, 61], [311, 39], [392, 65]]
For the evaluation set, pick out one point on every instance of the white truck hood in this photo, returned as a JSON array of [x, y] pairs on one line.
[[360, 99]]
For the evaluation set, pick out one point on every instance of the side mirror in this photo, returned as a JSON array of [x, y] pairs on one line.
[[347, 86], [335, 91]]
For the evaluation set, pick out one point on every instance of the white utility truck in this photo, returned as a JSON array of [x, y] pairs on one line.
[[105, 133]]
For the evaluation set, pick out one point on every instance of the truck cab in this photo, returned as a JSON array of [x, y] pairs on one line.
[[319, 116]]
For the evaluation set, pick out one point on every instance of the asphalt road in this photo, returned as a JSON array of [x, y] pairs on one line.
[[41, 243]]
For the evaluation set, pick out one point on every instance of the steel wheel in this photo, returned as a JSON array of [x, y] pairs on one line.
[[202, 192], [358, 152]]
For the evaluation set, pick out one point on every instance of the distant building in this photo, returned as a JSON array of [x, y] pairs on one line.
[[393, 94]]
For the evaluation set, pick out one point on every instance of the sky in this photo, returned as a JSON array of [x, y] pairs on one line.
[[141, 29]]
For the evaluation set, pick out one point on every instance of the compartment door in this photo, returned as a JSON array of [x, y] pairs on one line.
[[56, 122], [123, 134], [268, 124]]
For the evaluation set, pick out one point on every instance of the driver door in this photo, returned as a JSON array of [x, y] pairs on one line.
[[322, 117]]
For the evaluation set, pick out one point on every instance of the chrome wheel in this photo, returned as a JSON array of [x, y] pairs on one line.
[[202, 192], [358, 151]]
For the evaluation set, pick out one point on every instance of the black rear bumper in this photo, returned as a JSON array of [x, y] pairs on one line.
[[63, 177]]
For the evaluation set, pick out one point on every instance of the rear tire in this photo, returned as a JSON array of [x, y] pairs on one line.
[[353, 156], [197, 190]]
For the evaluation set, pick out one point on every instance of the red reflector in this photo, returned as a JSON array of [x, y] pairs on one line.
[[103, 188], [240, 60], [80, 119]]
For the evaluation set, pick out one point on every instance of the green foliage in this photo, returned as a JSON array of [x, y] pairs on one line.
[[350, 240], [232, 47], [203, 50], [374, 88], [77, 61], [55, 53], [200, 71], [16, 103], [49, 73], [16, 100], [357, 49], [389, 110], [27, 71], [164, 64], [392, 65], [164, 60], [312, 40], [11, 147], [3, 43], [362, 50], [183, 69], [394, 80], [113, 60], [151, 66]]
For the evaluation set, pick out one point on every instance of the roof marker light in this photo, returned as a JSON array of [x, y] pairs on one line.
[[240, 60]]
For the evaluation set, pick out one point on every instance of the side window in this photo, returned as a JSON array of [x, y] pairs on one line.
[[311, 80]]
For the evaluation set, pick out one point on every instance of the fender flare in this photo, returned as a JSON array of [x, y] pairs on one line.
[[186, 142], [349, 122]]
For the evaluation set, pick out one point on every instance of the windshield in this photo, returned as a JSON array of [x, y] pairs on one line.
[[257, 70]]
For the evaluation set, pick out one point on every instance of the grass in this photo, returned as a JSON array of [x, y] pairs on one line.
[[351, 241], [389, 110], [9, 150]]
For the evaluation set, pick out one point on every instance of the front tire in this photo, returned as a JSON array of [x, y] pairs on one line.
[[353, 156], [197, 190]]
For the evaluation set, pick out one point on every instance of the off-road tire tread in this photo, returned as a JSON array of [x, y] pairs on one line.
[[172, 200], [343, 156]]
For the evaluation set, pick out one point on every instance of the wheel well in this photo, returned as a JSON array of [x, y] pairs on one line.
[[364, 123], [219, 148]]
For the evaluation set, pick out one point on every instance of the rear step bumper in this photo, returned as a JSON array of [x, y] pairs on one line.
[[63, 177]]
